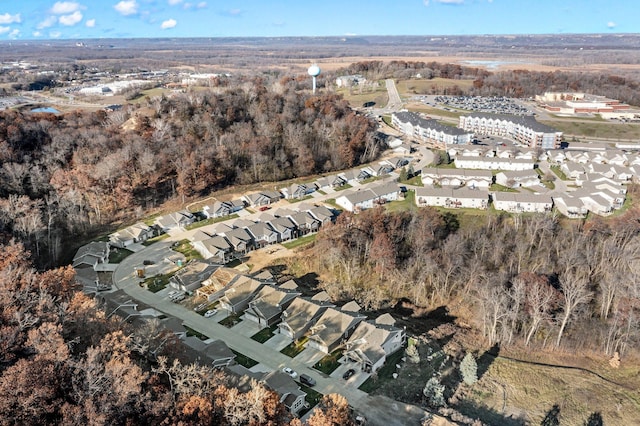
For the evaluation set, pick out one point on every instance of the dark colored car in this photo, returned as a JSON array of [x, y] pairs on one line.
[[350, 372], [306, 380]]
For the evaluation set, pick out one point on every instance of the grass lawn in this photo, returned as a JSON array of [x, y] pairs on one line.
[[415, 181], [501, 188], [369, 180], [118, 255], [299, 242], [185, 247], [155, 240], [558, 172], [596, 129], [384, 374], [387, 120], [357, 98], [332, 202], [408, 204], [313, 398], [294, 348], [426, 86], [264, 334], [329, 363], [320, 191], [343, 187], [157, 282], [231, 320], [244, 360], [210, 221]]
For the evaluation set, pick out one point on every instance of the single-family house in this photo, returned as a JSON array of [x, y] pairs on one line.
[[215, 353], [91, 255], [267, 305], [332, 329], [323, 214], [237, 297], [518, 178], [262, 198], [222, 208], [452, 198], [373, 341], [136, 233], [190, 278], [290, 394], [522, 202], [297, 191], [240, 239], [301, 314], [175, 220]]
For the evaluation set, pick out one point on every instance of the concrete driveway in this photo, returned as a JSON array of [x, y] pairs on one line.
[[246, 328], [278, 342], [309, 356], [356, 380]]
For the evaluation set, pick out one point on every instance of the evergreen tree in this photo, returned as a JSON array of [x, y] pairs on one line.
[[469, 369]]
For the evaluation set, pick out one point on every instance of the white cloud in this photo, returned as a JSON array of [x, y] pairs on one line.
[[90, 23], [426, 2], [174, 2], [14, 34], [55, 34], [10, 19], [202, 5], [169, 23], [49, 21], [611, 24], [70, 20], [127, 7], [65, 7], [4, 30], [36, 33]]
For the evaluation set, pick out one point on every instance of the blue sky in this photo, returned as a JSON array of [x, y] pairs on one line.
[[42, 19]]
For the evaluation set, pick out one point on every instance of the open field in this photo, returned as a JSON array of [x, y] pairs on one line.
[[408, 88], [527, 392], [596, 129]]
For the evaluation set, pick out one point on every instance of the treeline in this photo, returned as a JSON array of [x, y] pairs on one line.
[[68, 175], [375, 70], [524, 84], [64, 361], [525, 280]]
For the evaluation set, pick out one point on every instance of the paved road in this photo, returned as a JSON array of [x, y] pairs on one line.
[[395, 102], [560, 185]]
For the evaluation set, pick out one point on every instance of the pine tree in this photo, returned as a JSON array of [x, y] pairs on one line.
[[469, 369], [434, 392]]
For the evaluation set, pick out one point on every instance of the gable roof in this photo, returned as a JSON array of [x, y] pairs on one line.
[[333, 324]]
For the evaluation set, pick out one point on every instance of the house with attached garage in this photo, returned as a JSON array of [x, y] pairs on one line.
[[240, 239], [452, 198], [190, 278], [267, 305], [332, 329], [522, 202], [373, 341], [323, 214], [305, 223], [298, 190], [263, 234], [175, 220], [91, 255], [285, 227], [236, 298], [222, 208], [289, 391], [137, 233], [369, 198], [216, 248], [301, 314], [262, 198], [215, 353]]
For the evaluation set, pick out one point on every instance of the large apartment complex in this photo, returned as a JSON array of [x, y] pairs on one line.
[[523, 129], [430, 131]]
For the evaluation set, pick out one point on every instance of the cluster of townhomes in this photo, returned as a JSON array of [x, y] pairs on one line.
[[259, 298]]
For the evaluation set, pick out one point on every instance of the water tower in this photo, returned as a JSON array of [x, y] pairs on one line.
[[314, 71]]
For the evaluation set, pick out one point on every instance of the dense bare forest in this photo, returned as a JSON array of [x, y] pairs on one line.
[[71, 174], [534, 281]]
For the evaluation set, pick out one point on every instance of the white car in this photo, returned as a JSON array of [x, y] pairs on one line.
[[290, 372], [200, 307], [210, 313], [172, 293]]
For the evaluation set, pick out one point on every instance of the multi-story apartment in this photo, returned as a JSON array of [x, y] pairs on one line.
[[523, 129], [429, 131]]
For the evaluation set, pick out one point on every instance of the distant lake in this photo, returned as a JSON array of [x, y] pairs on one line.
[[46, 109], [489, 64]]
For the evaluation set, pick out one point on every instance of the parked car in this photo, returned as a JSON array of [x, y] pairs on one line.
[[263, 208], [347, 374], [290, 372], [210, 313], [147, 262], [306, 380], [178, 297], [172, 293], [201, 307]]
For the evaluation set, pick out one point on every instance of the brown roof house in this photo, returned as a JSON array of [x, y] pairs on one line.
[[301, 314], [136, 233], [190, 278], [267, 305], [373, 341], [333, 328], [237, 297], [215, 353]]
